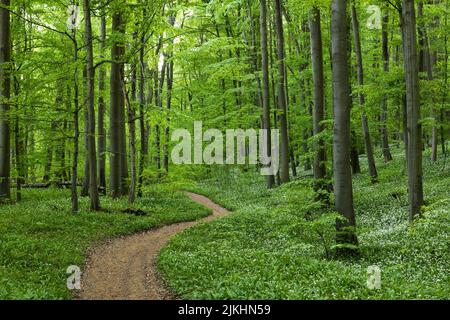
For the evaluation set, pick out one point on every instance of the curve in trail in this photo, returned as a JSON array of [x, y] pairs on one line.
[[125, 268]]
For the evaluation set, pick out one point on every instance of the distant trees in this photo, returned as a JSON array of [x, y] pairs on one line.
[[173, 66]]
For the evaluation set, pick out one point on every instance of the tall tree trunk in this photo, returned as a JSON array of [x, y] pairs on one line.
[[85, 188], [444, 97], [282, 107], [385, 53], [92, 156], [415, 186], [5, 94], [101, 112], [159, 82], [360, 72], [132, 133], [319, 168], [265, 84], [49, 155], [343, 190], [142, 123], [18, 145], [74, 192], [169, 86], [117, 124]]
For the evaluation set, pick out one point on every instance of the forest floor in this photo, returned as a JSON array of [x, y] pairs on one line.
[[278, 244], [40, 238], [125, 268]]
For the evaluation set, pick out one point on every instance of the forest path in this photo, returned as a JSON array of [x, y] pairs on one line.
[[125, 268]]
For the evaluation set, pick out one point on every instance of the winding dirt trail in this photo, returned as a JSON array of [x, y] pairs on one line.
[[125, 268]]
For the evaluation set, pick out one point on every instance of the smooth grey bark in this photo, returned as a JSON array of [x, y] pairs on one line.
[[415, 184], [273, 86], [319, 168], [132, 133], [343, 190], [117, 165], [142, 123], [360, 74], [354, 153], [90, 77], [385, 54], [253, 54], [282, 107], [5, 95], [265, 84], [49, 156], [18, 145], [160, 83], [169, 87], [76, 136], [101, 130], [85, 187], [427, 67], [445, 94]]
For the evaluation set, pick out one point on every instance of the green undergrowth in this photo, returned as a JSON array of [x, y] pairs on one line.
[[40, 238], [276, 244]]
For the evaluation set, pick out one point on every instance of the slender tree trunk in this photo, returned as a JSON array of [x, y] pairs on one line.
[[160, 84], [5, 94], [319, 168], [415, 186], [142, 123], [385, 52], [341, 138], [444, 97], [169, 86], [132, 133], [265, 84], [117, 134], [92, 156], [74, 192], [359, 63], [18, 146], [284, 154], [85, 187], [49, 156], [101, 112]]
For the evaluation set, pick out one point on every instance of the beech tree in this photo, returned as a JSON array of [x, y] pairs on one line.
[[5, 94], [319, 94], [282, 107], [359, 68], [265, 83], [92, 156], [118, 158], [343, 190], [415, 187]]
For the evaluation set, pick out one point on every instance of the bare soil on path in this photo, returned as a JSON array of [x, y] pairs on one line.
[[125, 268]]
